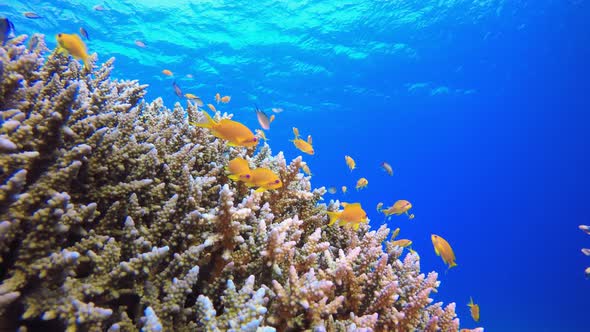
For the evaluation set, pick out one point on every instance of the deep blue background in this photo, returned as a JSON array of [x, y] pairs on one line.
[[495, 160]]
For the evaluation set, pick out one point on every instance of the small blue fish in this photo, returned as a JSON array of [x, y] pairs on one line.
[[177, 89], [6, 30], [32, 15], [84, 33]]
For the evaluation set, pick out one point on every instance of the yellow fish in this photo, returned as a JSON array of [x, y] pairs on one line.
[[399, 207], [395, 233], [225, 99], [264, 179], [350, 162], [387, 168], [167, 72], [361, 183], [344, 189], [73, 45], [232, 131], [217, 97], [306, 169], [474, 308], [352, 216], [402, 243], [238, 169], [272, 118], [443, 249], [301, 144], [211, 107], [190, 96]]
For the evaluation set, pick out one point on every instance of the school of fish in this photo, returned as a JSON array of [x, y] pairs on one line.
[[261, 179]]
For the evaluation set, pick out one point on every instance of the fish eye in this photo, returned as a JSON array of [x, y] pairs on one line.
[[59, 35], [277, 181]]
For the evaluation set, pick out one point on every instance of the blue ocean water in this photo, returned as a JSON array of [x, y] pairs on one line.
[[481, 108]]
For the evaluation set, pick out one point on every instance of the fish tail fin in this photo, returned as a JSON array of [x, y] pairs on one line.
[[452, 265], [260, 190], [209, 121], [333, 217], [356, 226], [234, 177], [470, 302]]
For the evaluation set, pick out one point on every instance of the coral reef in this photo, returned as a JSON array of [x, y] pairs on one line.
[[116, 215]]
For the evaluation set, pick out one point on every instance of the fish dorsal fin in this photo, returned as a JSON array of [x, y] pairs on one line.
[[309, 139], [344, 204]]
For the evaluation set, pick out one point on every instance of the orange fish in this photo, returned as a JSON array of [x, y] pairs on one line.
[[344, 189], [350, 162], [443, 249], [361, 183], [211, 107], [352, 216], [72, 44], [474, 308], [402, 243], [225, 99], [217, 97], [167, 72], [301, 144], [232, 131], [238, 169], [399, 207], [264, 179], [306, 169], [387, 168], [272, 118]]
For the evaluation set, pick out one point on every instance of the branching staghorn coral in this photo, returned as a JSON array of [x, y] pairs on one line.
[[117, 215]]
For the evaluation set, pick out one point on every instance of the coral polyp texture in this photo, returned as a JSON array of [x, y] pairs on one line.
[[117, 215]]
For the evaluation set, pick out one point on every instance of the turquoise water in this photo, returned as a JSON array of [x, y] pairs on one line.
[[479, 106]]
